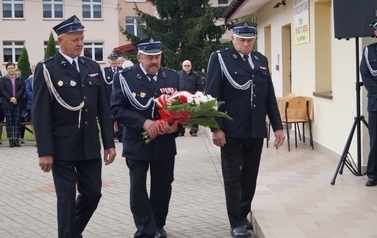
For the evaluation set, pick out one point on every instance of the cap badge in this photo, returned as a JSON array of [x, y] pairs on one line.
[[151, 40], [245, 25]]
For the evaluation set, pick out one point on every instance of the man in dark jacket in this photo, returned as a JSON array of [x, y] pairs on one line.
[[69, 103], [368, 71], [240, 77], [133, 105], [189, 81]]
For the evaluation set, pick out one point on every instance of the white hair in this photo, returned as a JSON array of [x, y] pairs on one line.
[[127, 63]]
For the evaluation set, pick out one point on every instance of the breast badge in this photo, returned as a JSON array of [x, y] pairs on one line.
[[142, 95], [60, 83], [138, 76], [72, 83], [133, 94]]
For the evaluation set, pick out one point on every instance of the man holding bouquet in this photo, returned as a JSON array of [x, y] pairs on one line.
[[240, 77], [133, 105]]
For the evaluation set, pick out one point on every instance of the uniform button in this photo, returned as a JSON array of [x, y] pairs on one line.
[[254, 106], [86, 123], [253, 76], [84, 97], [255, 95], [82, 85], [86, 110]]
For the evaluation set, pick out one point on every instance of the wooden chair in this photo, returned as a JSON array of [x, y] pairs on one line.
[[296, 112]]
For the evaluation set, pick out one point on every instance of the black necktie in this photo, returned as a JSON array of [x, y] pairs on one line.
[[75, 65], [151, 77], [246, 57], [113, 70]]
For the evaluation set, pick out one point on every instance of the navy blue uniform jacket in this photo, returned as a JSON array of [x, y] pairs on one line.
[[56, 128], [370, 81], [249, 121], [122, 111]]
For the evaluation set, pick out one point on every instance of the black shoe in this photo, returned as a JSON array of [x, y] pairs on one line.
[[11, 143], [248, 224], [181, 134], [193, 134], [240, 232], [16, 143], [371, 182], [160, 233]]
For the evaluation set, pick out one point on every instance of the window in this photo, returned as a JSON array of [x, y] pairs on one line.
[[91, 9], [133, 26], [12, 50], [94, 51], [52, 8], [223, 3], [13, 9]]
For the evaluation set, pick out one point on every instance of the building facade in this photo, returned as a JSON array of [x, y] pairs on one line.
[[29, 23], [298, 38]]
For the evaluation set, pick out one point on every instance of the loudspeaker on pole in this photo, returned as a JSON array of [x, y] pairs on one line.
[[353, 18]]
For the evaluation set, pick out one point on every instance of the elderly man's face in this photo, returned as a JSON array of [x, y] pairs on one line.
[[71, 44], [186, 66], [244, 46], [151, 63], [113, 62]]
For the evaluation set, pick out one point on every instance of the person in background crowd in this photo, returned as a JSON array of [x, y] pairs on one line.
[[132, 104], [12, 88], [29, 99], [127, 63], [368, 72], [189, 81], [108, 75], [69, 113], [240, 77], [120, 61]]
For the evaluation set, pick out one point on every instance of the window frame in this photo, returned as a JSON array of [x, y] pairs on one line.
[[91, 4], [93, 46], [136, 26], [13, 4], [16, 49], [53, 4]]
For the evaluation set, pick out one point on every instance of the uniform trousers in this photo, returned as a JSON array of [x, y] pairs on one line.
[[150, 212], [75, 213], [372, 159], [240, 159]]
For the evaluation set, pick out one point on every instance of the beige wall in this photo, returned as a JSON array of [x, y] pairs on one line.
[[34, 30], [333, 117]]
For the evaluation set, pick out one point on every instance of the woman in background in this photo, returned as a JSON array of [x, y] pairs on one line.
[[12, 88]]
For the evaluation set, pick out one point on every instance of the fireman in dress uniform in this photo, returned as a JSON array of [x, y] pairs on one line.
[[108, 75], [240, 77], [368, 72], [132, 104], [68, 98]]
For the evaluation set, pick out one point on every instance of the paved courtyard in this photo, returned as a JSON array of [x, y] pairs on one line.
[[294, 197]]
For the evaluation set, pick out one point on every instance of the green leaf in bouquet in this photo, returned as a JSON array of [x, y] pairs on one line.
[[210, 122]]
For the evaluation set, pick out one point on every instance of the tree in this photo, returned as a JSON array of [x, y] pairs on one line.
[[51, 46], [187, 30], [23, 64]]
